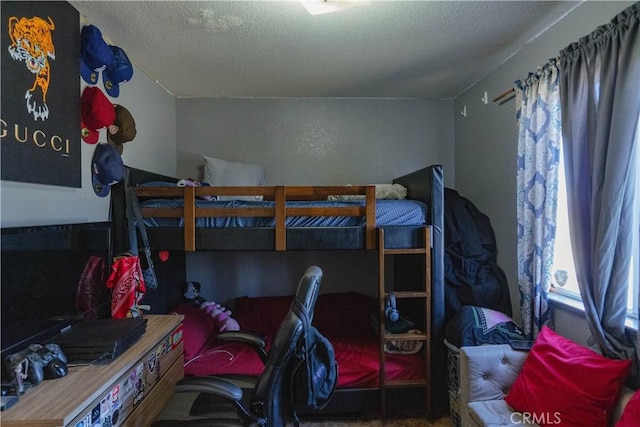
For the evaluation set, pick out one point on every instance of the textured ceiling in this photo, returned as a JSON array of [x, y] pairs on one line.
[[386, 49]]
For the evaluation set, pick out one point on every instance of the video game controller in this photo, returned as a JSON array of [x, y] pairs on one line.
[[25, 365], [32, 362], [54, 361], [56, 351], [49, 352], [35, 368]]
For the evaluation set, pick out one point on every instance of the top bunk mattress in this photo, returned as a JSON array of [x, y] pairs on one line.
[[388, 213]]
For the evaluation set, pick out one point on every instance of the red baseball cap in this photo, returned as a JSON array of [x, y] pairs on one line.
[[97, 113]]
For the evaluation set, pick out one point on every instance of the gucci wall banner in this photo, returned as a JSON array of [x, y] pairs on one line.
[[40, 100]]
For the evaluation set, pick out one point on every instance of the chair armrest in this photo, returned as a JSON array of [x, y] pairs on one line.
[[223, 388], [210, 385], [487, 373], [254, 340]]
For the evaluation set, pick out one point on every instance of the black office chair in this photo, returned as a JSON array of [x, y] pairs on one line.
[[266, 400]]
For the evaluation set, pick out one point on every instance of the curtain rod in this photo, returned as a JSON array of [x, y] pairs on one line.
[[509, 91], [503, 94]]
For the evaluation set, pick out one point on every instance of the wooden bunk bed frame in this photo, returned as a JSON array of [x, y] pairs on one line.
[[280, 211], [426, 184]]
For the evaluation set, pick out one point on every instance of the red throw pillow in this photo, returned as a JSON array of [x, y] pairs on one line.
[[631, 414], [197, 328], [564, 383]]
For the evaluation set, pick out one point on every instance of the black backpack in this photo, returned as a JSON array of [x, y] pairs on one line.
[[316, 376], [472, 274]]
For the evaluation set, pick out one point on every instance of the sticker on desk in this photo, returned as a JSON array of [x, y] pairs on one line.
[[105, 411], [163, 346], [115, 402], [86, 422], [160, 350], [95, 416], [115, 394], [176, 337], [152, 362], [138, 384]]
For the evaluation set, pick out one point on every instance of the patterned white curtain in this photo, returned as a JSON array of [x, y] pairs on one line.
[[539, 142]]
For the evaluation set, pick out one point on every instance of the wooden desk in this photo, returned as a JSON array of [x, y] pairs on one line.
[[128, 391]]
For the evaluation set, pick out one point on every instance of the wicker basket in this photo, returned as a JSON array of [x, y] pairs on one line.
[[453, 382]]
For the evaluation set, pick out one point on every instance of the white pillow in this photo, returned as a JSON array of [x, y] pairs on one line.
[[391, 191], [218, 172], [383, 191]]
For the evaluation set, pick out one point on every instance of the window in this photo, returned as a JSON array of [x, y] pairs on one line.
[[564, 276]]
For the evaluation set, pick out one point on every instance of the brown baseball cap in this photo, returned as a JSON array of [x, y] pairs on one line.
[[125, 127]]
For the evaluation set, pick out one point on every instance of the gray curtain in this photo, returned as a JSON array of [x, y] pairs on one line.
[[600, 98]]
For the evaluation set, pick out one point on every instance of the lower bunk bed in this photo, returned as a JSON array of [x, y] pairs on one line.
[[347, 320], [181, 219]]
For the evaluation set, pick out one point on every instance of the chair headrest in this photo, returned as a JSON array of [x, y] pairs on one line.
[[309, 288]]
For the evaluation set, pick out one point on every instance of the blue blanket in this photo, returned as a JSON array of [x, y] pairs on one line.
[[388, 212]]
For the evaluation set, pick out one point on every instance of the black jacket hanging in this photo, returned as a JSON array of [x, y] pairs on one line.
[[472, 274]]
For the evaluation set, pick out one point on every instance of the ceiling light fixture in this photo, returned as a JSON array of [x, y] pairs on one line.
[[319, 7]]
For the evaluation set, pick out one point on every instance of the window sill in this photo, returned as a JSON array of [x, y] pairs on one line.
[[576, 306]]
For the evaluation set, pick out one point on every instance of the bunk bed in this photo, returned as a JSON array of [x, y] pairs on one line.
[[182, 219]]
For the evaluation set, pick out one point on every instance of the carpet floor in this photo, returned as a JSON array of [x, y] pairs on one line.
[[181, 404], [403, 422]]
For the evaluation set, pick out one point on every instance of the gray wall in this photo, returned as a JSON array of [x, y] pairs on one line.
[[317, 141], [153, 148], [486, 140], [307, 141], [226, 275]]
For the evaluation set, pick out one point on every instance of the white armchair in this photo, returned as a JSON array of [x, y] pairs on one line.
[[486, 375]]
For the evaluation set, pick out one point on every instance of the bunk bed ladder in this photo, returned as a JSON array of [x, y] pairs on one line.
[[408, 286]]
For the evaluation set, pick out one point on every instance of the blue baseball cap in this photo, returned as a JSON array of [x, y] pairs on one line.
[[117, 72], [95, 54], [106, 168]]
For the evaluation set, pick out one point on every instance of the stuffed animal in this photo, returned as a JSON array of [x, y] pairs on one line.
[[192, 294], [190, 182], [221, 315]]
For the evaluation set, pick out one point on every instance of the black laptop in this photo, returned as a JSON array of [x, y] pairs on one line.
[[99, 339]]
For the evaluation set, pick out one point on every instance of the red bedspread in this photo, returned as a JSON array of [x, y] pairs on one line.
[[344, 318]]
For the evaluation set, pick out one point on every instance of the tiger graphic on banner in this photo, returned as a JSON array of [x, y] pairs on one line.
[[32, 43]]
